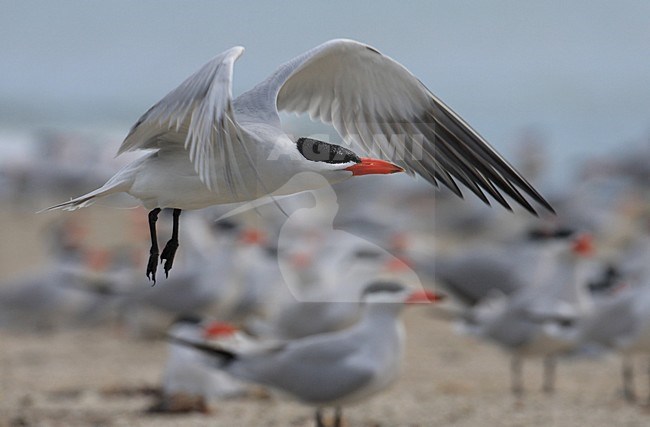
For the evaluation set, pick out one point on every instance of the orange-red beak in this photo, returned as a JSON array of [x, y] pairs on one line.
[[369, 166], [301, 260], [396, 265], [252, 236], [584, 245], [424, 296], [218, 330]]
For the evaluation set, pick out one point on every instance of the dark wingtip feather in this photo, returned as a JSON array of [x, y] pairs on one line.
[[546, 205], [489, 161]]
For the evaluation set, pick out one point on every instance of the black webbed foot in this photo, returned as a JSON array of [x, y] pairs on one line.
[[168, 252], [152, 266], [168, 255]]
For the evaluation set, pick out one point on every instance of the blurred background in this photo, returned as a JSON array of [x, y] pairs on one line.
[[561, 89]]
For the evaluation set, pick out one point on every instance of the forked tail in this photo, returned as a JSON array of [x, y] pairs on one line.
[[86, 199]]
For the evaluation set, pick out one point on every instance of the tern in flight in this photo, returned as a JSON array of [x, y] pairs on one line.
[[210, 149]]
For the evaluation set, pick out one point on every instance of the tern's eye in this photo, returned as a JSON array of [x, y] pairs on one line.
[[319, 151], [367, 254]]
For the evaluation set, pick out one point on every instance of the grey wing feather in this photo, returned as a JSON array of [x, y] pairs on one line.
[[199, 115], [614, 324], [309, 369], [375, 102]]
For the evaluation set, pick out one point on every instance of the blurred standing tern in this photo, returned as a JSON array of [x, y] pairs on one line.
[[211, 149], [540, 318], [335, 368], [189, 384]]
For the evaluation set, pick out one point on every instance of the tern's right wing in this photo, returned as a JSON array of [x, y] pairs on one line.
[[198, 115]]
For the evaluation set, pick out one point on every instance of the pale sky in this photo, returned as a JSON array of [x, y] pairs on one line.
[[578, 70]]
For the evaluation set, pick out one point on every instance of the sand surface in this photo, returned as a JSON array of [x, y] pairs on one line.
[[100, 377]]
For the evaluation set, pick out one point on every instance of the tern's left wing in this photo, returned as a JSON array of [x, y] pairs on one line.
[[375, 102]]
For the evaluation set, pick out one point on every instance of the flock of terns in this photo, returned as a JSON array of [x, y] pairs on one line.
[[320, 307]]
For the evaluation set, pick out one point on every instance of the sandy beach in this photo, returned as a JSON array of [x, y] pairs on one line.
[[100, 377], [97, 378]]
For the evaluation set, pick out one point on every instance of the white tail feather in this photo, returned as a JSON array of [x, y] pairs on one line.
[[85, 200]]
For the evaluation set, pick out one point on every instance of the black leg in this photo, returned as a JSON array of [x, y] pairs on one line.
[[647, 402], [319, 418], [170, 248], [628, 379], [516, 376], [549, 374], [153, 252], [338, 417]]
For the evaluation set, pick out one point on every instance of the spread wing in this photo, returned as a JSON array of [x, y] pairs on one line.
[[375, 102], [198, 115]]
